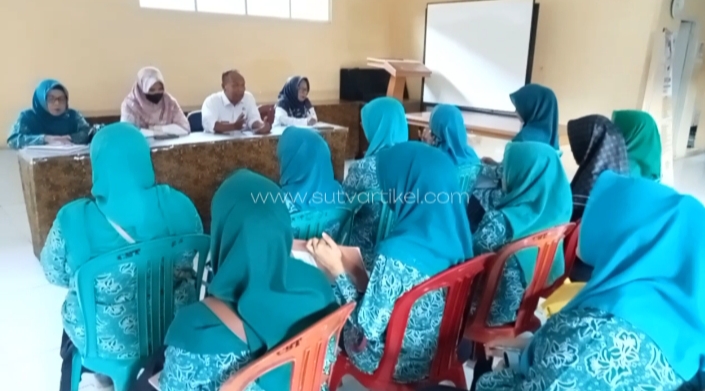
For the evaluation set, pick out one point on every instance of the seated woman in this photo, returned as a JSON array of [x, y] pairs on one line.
[[50, 120], [293, 107], [639, 323], [643, 142], [148, 106], [597, 145], [273, 295], [307, 173], [447, 132], [536, 197], [126, 207], [537, 108], [384, 123], [426, 239]]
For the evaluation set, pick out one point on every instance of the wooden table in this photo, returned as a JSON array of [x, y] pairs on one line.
[[487, 125], [196, 165]]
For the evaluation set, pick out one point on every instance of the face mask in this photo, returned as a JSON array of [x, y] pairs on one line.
[[155, 98]]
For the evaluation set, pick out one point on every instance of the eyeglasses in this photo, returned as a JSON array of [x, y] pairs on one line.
[[62, 99]]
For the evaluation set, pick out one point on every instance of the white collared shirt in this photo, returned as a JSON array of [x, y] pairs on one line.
[[282, 118], [218, 108]]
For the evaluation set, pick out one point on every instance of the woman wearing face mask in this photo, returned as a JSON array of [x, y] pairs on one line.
[[293, 107], [148, 105], [50, 120]]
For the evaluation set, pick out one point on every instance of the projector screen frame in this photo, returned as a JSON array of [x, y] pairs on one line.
[[529, 62]]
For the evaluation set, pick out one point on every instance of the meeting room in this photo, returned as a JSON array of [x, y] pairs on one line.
[[448, 195]]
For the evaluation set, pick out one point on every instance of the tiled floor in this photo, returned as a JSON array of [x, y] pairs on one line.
[[30, 330]]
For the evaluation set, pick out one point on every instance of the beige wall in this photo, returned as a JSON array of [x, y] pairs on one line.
[[594, 53], [96, 47]]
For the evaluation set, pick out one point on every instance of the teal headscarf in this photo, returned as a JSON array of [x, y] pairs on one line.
[[448, 128], [275, 295], [124, 190], [38, 120], [537, 107], [306, 170], [645, 243], [537, 197], [643, 142], [431, 231], [384, 123]]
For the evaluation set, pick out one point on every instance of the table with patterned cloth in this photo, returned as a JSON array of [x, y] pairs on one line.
[[196, 165]]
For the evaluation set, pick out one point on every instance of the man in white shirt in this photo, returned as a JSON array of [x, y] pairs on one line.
[[233, 108]]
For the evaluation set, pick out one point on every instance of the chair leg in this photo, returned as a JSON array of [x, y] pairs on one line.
[[123, 380], [337, 373], [76, 367]]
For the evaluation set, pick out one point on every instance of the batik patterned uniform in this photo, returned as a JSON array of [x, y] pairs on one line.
[[493, 233], [587, 349], [389, 280], [116, 297], [362, 177]]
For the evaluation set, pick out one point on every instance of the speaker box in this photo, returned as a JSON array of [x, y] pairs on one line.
[[364, 84]]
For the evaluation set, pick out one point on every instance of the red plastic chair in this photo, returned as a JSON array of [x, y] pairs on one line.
[[306, 352], [445, 366], [570, 247], [547, 243]]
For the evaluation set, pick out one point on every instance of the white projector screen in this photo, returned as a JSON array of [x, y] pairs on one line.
[[478, 52]]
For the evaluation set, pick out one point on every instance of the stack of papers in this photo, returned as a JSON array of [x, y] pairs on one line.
[[56, 150]]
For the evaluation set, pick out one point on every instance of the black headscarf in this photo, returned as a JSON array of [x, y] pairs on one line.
[[597, 145], [289, 98]]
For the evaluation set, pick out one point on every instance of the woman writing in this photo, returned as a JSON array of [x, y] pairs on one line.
[[149, 106], [272, 295], [427, 238], [50, 120], [384, 123], [127, 207], [536, 197], [639, 323], [294, 108]]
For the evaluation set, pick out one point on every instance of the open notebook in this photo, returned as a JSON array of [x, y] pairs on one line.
[[352, 262]]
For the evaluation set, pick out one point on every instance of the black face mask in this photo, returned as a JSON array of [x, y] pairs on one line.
[[155, 98]]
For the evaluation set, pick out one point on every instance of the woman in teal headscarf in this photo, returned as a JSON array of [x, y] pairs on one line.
[[430, 235], [275, 296], [127, 206], [384, 123], [643, 142], [537, 108], [639, 323], [536, 197], [447, 132], [306, 171], [50, 120]]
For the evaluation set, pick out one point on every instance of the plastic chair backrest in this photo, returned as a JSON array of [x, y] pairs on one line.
[[311, 223], [547, 243], [195, 121], [306, 352], [386, 216], [154, 283], [458, 281], [468, 176]]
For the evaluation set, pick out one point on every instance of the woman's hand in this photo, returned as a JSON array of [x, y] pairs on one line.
[[57, 140], [327, 255], [488, 160], [311, 121]]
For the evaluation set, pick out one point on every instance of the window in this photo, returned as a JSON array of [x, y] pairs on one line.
[[316, 10]]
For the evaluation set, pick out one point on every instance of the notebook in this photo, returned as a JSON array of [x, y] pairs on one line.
[[352, 262]]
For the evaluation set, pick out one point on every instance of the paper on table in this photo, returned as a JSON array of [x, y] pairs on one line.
[[154, 381], [352, 262], [172, 130], [56, 149]]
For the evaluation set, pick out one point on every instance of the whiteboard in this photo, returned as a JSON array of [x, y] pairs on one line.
[[478, 52]]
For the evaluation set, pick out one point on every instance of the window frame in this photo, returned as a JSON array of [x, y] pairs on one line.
[[246, 12]]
